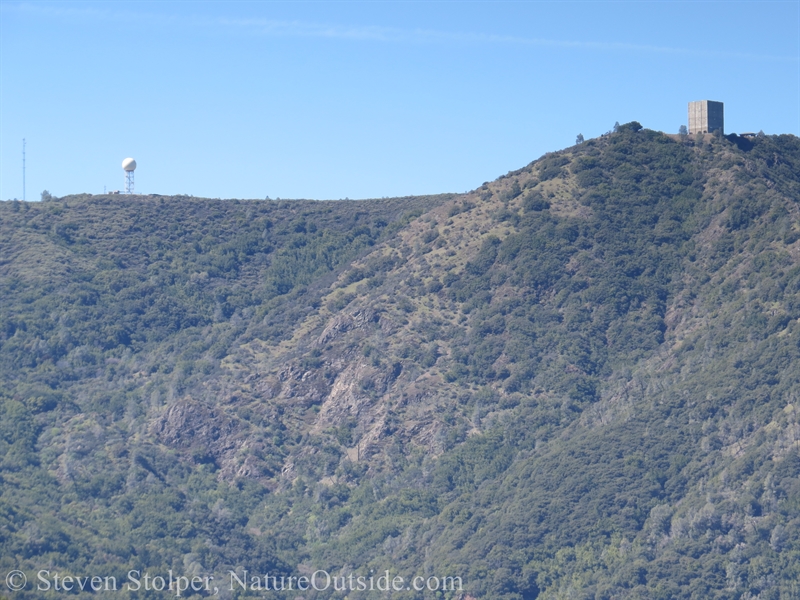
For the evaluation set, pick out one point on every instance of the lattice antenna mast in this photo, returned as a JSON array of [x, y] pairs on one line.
[[129, 166]]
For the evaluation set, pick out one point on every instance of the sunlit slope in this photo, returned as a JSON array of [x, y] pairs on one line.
[[583, 377]]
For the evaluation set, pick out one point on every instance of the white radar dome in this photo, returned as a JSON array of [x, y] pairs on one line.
[[129, 164]]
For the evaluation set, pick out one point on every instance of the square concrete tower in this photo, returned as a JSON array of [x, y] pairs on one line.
[[706, 116]]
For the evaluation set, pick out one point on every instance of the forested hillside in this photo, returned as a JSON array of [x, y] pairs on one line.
[[581, 380]]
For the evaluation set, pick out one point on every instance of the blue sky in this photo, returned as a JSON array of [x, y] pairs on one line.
[[364, 99]]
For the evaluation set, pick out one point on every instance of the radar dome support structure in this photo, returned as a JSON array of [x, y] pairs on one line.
[[129, 166]]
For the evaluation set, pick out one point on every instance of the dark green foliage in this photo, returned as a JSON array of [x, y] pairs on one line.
[[167, 266], [512, 192], [534, 202], [550, 167], [633, 126]]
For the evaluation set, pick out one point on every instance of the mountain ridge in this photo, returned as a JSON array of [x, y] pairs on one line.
[[528, 385]]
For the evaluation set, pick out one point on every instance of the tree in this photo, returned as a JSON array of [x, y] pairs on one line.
[[46, 196], [632, 126], [616, 126], [683, 132], [579, 139]]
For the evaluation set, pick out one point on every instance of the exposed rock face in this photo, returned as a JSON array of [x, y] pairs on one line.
[[342, 323], [188, 423], [209, 435]]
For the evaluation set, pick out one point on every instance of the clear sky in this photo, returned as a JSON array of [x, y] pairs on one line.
[[364, 99]]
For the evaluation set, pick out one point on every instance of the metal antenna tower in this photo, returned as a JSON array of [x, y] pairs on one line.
[[129, 166]]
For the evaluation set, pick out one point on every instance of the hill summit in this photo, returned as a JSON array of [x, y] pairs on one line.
[[577, 381]]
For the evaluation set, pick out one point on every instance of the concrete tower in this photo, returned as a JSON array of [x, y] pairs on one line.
[[706, 116]]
